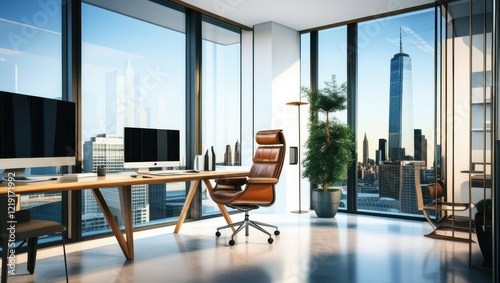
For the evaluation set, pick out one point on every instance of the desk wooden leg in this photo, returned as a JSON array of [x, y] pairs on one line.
[[222, 208], [187, 203], [127, 245], [126, 207]]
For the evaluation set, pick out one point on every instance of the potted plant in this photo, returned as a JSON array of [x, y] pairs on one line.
[[329, 146], [483, 225]]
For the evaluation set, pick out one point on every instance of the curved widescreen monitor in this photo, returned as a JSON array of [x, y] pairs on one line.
[[148, 148], [35, 132]]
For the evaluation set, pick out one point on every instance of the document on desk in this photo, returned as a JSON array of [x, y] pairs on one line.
[[79, 176]]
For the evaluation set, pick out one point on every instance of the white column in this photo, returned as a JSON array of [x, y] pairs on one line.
[[276, 82]]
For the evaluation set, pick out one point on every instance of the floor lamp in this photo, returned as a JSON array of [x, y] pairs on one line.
[[298, 104]]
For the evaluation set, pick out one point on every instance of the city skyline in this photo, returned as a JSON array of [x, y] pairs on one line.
[[417, 37]]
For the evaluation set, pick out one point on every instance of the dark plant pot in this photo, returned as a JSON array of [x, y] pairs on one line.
[[484, 238], [326, 204]]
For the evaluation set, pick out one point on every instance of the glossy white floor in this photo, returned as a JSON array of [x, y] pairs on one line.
[[348, 248]]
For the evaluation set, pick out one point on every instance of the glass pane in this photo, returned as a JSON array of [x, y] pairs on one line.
[[332, 65], [130, 79], [332, 60], [30, 63], [395, 110], [305, 60], [30, 48], [221, 96]]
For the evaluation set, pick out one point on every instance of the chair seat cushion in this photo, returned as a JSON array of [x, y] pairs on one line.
[[225, 194], [37, 228], [232, 182]]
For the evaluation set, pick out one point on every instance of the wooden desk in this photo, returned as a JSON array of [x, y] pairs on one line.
[[124, 183]]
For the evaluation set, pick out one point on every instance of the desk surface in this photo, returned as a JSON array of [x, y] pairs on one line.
[[113, 180], [123, 182]]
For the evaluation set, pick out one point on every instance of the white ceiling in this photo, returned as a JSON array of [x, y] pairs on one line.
[[301, 14]]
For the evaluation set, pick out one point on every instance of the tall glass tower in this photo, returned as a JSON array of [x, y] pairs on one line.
[[401, 108], [366, 154]]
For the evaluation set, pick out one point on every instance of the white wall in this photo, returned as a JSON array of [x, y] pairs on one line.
[[247, 114], [276, 82]]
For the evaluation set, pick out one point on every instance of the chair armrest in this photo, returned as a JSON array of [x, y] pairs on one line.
[[258, 180]]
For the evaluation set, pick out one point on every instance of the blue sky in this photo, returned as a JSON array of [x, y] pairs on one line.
[[374, 58], [378, 42], [37, 31]]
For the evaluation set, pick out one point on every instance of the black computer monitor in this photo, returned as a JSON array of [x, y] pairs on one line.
[[148, 148], [35, 132]]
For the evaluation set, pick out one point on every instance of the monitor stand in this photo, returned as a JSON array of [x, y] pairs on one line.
[[144, 170], [19, 175], [14, 174]]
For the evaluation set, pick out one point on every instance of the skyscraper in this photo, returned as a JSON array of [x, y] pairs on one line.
[[237, 154], [228, 156], [418, 144], [365, 151], [120, 97], [108, 150], [382, 146], [400, 107], [397, 181]]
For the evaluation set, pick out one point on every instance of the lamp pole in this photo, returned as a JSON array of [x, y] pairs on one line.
[[298, 104]]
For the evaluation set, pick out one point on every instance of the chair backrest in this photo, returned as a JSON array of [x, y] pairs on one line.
[[270, 155], [437, 190]]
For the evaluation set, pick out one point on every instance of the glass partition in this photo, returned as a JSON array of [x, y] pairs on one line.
[[130, 79], [221, 99]]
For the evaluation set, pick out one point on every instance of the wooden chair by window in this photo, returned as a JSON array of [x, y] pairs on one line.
[[25, 230], [441, 214]]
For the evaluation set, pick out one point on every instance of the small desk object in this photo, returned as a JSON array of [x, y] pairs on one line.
[[124, 183]]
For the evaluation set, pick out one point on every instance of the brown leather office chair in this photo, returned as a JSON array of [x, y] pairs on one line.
[[25, 230], [257, 189]]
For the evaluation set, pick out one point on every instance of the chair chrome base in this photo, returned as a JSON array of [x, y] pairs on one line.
[[300, 211], [246, 224]]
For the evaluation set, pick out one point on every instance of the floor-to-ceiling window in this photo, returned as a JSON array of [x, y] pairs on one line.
[[395, 110], [395, 104], [332, 69], [133, 75], [221, 98], [31, 64]]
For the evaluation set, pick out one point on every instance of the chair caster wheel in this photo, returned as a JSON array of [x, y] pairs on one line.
[[277, 232], [231, 242], [217, 234], [270, 240]]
